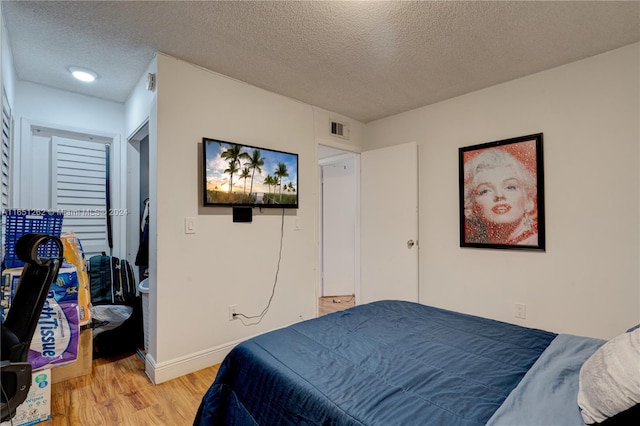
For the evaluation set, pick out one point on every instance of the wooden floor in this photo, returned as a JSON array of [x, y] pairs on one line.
[[335, 303], [118, 392]]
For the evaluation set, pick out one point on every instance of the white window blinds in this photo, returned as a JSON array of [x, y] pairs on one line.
[[79, 190], [5, 172]]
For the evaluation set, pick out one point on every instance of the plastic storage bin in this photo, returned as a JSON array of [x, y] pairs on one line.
[[143, 288], [20, 222]]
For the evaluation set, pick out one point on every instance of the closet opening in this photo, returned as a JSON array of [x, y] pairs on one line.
[[137, 200], [138, 219]]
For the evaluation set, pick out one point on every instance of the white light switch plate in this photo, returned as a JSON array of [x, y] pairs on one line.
[[189, 225]]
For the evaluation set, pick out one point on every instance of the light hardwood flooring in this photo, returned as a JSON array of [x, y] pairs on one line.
[[335, 303], [118, 392]]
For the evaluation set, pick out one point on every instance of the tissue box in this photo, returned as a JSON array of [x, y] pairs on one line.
[[8, 285], [55, 341], [37, 407]]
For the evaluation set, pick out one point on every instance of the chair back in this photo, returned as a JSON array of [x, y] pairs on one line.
[[16, 332]]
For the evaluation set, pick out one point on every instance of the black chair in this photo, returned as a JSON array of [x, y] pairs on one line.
[[22, 318]]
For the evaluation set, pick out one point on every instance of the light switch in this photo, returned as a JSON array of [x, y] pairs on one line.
[[520, 311], [189, 225]]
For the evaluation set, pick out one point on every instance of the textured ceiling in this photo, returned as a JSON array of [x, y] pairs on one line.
[[364, 59]]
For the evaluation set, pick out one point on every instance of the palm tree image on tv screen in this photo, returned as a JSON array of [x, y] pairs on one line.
[[243, 175]]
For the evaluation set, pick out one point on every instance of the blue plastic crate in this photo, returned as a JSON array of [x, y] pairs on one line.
[[20, 222]]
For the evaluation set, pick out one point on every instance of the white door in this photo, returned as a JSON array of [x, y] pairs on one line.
[[389, 223], [338, 228], [79, 190]]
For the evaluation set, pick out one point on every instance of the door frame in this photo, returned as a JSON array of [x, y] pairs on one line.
[[21, 185], [133, 191], [346, 151]]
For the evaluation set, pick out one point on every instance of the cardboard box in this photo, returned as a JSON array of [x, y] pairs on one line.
[[37, 407], [82, 365]]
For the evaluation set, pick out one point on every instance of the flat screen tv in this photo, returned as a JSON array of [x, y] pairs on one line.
[[238, 175]]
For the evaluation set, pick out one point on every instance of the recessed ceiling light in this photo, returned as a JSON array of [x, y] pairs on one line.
[[83, 74]]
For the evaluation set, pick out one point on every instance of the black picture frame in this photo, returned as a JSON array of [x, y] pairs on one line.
[[502, 194]]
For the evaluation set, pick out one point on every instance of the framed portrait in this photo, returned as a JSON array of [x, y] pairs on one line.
[[502, 194]]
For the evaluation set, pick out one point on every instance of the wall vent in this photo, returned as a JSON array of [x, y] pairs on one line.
[[340, 130]]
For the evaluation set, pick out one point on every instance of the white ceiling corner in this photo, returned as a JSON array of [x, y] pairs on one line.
[[362, 59]]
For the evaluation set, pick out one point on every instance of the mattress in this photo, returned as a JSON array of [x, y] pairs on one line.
[[383, 363]]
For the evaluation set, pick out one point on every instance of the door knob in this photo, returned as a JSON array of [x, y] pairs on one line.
[[410, 244]]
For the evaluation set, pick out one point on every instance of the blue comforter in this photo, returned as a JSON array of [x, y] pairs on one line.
[[384, 363]]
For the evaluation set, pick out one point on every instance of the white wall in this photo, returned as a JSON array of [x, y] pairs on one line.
[[7, 82], [40, 105], [587, 281], [322, 130], [224, 263], [137, 110], [7, 73], [137, 105]]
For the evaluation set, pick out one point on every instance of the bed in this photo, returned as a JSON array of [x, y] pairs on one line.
[[400, 363]]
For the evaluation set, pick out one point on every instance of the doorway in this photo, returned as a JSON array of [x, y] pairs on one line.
[[138, 221], [339, 278], [138, 198]]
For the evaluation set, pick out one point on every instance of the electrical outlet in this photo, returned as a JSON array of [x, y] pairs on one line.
[[233, 310], [520, 311]]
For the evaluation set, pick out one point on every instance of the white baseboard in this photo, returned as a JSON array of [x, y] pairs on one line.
[[159, 372], [164, 371]]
